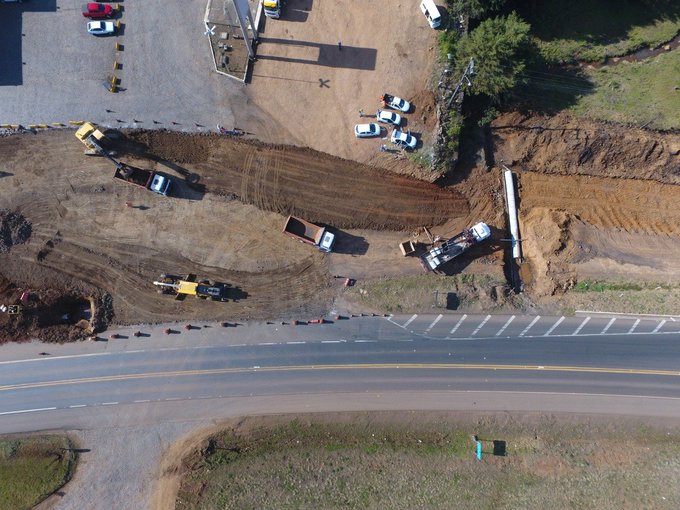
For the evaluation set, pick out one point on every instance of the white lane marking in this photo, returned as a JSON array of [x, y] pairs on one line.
[[109, 403], [660, 325], [77, 406], [413, 317], [365, 341], [632, 328], [332, 341], [175, 398], [500, 331], [578, 330], [486, 319], [29, 410], [141, 401], [609, 325], [559, 321], [295, 343], [529, 326], [267, 343], [236, 345], [47, 358], [460, 321], [434, 322]]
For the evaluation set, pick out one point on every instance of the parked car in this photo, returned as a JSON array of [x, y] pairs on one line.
[[366, 130], [396, 103], [388, 117], [101, 27], [402, 139], [97, 11]]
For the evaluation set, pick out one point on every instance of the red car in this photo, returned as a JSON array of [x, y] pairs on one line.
[[97, 11]]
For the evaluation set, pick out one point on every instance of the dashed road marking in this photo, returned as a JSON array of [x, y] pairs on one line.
[[365, 341], [578, 330], [434, 322], [609, 325], [632, 328], [559, 321], [460, 321], [500, 331], [413, 317], [486, 319], [295, 343], [75, 406], [659, 326], [109, 403], [529, 326], [29, 410]]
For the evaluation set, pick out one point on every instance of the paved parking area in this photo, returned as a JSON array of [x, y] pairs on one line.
[[52, 70]]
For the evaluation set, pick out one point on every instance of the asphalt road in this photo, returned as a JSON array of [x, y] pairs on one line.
[[372, 356]]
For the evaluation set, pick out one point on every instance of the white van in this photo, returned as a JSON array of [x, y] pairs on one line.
[[431, 13]]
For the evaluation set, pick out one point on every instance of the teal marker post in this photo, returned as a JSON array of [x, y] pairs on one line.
[[479, 450]]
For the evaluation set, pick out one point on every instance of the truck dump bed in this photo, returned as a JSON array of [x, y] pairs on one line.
[[303, 230], [134, 175]]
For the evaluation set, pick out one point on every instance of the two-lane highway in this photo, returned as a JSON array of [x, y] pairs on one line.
[[340, 361]]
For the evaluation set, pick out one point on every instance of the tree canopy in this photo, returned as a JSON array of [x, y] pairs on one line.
[[500, 48], [477, 8]]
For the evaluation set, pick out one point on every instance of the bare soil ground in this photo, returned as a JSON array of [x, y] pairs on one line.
[[597, 201], [305, 83], [95, 237]]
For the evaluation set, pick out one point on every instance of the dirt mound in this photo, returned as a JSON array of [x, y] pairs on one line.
[[548, 249], [304, 182], [569, 146], [14, 229], [52, 315]]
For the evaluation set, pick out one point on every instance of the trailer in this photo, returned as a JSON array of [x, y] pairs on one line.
[[452, 248], [309, 233]]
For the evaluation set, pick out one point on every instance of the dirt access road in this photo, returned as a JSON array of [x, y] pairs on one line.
[[86, 241]]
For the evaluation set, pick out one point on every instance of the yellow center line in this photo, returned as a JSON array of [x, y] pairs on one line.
[[357, 366]]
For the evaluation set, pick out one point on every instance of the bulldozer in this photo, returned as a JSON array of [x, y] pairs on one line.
[[183, 287]]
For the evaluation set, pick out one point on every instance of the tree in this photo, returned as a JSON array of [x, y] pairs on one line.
[[477, 8], [500, 48]]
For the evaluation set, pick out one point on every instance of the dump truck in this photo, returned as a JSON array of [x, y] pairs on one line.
[[188, 286], [272, 8], [450, 249], [148, 179], [309, 233]]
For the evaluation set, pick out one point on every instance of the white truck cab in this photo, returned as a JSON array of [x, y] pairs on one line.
[[160, 184], [431, 12], [327, 242], [272, 8]]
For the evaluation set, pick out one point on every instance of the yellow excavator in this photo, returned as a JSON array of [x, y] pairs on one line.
[[181, 288]]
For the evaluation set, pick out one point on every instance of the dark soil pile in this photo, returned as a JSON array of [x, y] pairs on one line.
[[14, 229]]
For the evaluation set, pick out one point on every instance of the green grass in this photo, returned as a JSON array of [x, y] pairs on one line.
[[591, 30], [640, 93], [32, 468], [365, 461]]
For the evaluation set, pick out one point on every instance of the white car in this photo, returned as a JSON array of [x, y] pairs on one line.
[[388, 117], [101, 27], [396, 103], [402, 139], [366, 130]]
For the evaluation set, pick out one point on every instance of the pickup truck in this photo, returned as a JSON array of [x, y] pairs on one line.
[[148, 179], [309, 233]]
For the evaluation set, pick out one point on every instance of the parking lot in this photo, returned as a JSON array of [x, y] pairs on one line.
[[54, 71]]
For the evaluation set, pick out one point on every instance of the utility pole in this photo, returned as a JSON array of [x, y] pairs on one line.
[[465, 78]]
